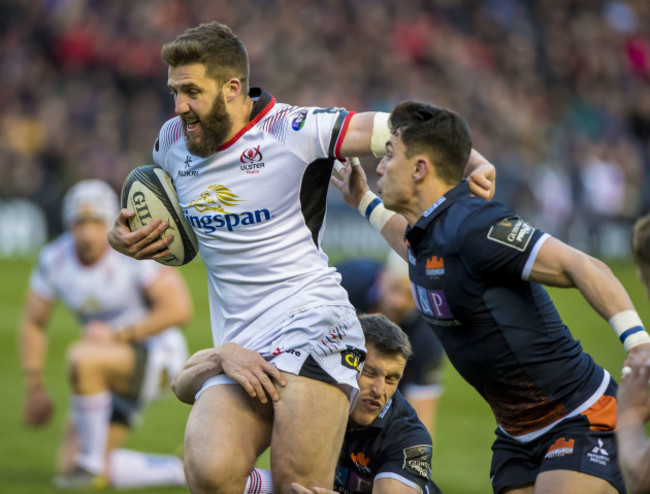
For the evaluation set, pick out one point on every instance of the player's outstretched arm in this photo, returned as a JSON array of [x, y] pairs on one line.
[[38, 406], [145, 243], [247, 367], [369, 132], [199, 367], [558, 264], [633, 412]]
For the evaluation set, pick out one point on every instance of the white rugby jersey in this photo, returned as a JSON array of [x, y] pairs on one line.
[[257, 206], [112, 290]]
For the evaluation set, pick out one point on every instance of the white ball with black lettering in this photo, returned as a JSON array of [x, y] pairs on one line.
[[148, 190]]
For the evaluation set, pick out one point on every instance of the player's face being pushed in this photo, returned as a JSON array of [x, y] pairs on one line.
[[200, 103], [377, 384], [395, 171], [90, 240]]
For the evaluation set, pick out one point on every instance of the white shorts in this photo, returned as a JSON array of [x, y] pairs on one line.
[[324, 343], [166, 355], [157, 361]]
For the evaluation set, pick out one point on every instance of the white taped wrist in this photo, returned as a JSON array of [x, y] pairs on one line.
[[373, 209], [380, 134], [629, 329]]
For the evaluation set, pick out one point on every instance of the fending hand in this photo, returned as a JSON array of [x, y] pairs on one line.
[[482, 180], [353, 183], [633, 394]]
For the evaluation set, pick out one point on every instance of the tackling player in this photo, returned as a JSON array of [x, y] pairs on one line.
[[386, 449], [128, 351], [386, 289], [476, 270], [251, 175]]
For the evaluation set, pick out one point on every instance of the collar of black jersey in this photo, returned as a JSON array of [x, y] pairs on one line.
[[262, 104], [437, 208], [263, 101]]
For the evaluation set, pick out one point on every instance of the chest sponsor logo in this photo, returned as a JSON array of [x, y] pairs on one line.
[[513, 232], [561, 447], [359, 483], [299, 122], [251, 160], [435, 266], [215, 200], [433, 303], [417, 459]]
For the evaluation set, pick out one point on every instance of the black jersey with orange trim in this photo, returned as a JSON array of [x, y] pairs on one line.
[[469, 260], [396, 445]]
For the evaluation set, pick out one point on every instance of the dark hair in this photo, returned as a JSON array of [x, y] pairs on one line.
[[213, 45], [441, 134], [385, 336]]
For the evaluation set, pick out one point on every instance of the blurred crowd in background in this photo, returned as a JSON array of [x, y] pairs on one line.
[[557, 92]]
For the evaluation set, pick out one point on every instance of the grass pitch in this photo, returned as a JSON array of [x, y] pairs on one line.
[[465, 424]]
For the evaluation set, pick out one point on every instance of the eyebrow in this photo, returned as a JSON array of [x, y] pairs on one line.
[[185, 86]]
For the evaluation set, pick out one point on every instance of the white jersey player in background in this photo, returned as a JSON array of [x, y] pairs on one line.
[[251, 176], [129, 348]]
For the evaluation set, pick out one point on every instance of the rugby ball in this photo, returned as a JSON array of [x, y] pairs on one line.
[[148, 190]]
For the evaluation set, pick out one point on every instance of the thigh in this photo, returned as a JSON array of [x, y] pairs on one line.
[[581, 460], [94, 365], [310, 421], [514, 467], [225, 433]]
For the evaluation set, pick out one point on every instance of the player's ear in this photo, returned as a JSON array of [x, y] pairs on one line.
[[232, 89], [421, 166]]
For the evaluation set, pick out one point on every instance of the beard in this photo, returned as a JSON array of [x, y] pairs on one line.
[[216, 126]]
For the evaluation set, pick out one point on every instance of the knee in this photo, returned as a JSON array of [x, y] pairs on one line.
[[213, 472], [78, 358]]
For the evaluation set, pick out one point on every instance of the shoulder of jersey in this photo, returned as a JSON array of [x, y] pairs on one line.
[[56, 250], [170, 133], [280, 117]]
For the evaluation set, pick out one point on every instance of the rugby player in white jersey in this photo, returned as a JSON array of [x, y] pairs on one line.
[[129, 348], [252, 176]]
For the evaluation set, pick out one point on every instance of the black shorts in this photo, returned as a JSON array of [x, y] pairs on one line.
[[585, 443], [126, 406]]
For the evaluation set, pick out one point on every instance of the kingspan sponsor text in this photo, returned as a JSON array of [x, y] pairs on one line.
[[212, 222]]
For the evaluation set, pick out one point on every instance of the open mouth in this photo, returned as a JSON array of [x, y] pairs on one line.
[[191, 124], [371, 404]]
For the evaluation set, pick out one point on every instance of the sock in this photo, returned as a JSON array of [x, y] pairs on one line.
[[130, 468], [259, 482], [91, 414]]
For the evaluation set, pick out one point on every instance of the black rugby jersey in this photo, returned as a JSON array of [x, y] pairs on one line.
[[396, 445], [502, 333]]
